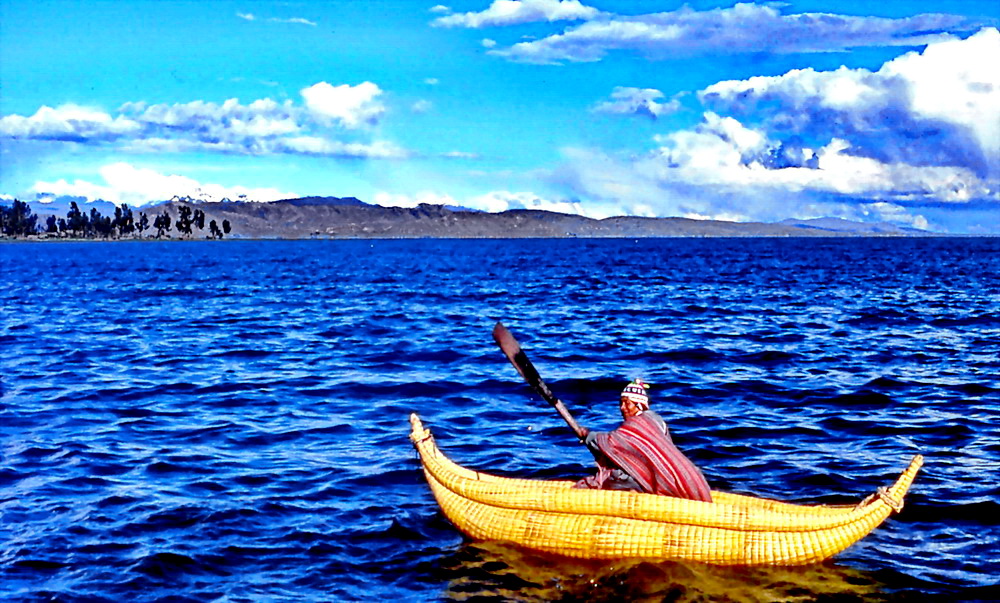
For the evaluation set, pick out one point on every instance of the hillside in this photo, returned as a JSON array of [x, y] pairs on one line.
[[332, 217]]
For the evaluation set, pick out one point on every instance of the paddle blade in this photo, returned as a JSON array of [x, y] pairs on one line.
[[512, 350]]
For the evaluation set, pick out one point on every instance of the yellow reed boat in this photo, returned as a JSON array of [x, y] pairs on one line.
[[554, 517]]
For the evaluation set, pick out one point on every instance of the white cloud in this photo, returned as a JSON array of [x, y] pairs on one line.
[[68, 123], [313, 145], [346, 105], [514, 12], [938, 107], [488, 43], [331, 122], [125, 183], [460, 155], [637, 101], [740, 28], [897, 144], [297, 20], [292, 20], [228, 121], [432, 81], [421, 106], [440, 8]]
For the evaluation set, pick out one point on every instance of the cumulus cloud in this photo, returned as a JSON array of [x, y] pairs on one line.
[[938, 107], [346, 105], [894, 144], [125, 183], [637, 101], [515, 12], [332, 120], [738, 29]]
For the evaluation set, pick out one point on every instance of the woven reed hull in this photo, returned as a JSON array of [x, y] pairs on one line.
[[554, 517]]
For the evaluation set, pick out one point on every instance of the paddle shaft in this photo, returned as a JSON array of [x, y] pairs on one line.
[[512, 349]]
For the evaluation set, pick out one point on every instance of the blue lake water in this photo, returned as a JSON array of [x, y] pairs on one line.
[[227, 421]]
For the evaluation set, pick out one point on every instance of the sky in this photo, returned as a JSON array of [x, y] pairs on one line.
[[886, 111]]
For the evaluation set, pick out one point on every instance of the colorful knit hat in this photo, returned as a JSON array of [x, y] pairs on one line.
[[635, 392]]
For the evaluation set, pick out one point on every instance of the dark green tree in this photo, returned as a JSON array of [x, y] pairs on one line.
[[51, 225], [143, 223], [100, 225], [124, 221], [184, 219], [162, 224], [226, 226], [76, 219], [18, 220], [213, 228], [199, 219]]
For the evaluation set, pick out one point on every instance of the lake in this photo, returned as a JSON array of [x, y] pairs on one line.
[[227, 421]]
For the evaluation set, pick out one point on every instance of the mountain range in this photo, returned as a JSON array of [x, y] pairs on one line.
[[349, 217]]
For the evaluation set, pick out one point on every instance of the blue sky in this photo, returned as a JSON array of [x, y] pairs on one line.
[[884, 111]]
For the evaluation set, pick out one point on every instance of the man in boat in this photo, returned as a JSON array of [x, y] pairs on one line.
[[640, 455]]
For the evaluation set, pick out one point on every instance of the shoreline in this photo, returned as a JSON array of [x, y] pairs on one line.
[[824, 235]]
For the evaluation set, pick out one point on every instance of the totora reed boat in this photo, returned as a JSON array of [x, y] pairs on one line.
[[554, 517]]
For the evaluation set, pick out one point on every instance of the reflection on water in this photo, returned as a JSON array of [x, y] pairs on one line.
[[496, 571]]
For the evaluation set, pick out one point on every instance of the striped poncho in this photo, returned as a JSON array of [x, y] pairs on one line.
[[643, 450]]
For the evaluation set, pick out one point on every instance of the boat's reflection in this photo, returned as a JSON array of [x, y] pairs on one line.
[[485, 571]]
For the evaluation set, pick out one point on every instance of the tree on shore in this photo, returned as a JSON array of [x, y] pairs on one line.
[[76, 219], [162, 224], [124, 220], [102, 226], [143, 223], [213, 229], [226, 226], [184, 220], [18, 220]]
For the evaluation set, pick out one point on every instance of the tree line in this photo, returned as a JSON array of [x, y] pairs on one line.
[[19, 221]]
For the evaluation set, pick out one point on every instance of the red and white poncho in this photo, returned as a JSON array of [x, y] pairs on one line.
[[643, 449]]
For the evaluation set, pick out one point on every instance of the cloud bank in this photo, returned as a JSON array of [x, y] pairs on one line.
[[334, 121], [919, 133], [738, 29], [516, 12], [125, 183]]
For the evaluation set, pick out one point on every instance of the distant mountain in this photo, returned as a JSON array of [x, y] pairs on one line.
[[351, 218], [839, 225], [340, 218], [307, 201]]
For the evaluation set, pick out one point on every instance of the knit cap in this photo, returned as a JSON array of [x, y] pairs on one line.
[[635, 391]]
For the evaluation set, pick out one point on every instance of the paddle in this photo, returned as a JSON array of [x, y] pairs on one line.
[[512, 349]]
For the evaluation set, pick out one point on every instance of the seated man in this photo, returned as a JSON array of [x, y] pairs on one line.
[[640, 455]]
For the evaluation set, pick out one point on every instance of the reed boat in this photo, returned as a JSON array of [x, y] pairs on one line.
[[733, 529]]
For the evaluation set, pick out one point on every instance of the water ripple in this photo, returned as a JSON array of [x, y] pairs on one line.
[[205, 421]]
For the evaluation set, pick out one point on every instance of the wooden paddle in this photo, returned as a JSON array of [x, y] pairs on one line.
[[512, 349]]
